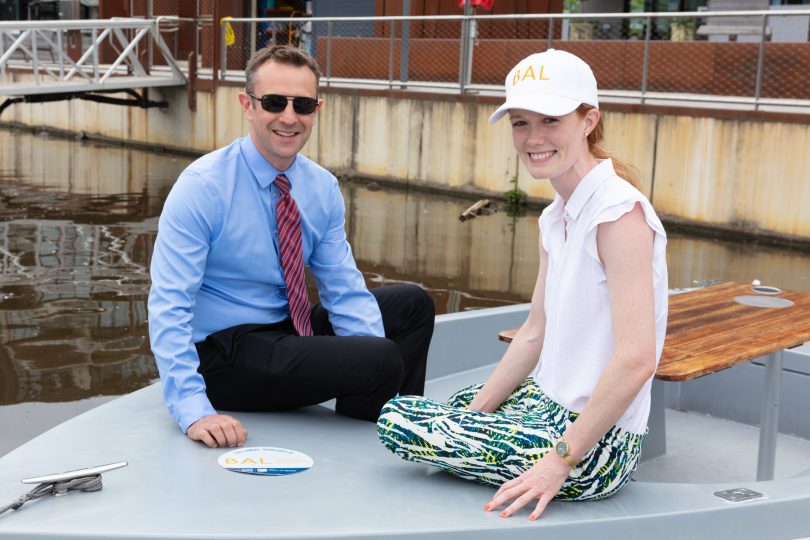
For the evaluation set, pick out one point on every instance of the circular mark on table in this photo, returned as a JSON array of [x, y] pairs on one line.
[[764, 289], [763, 301]]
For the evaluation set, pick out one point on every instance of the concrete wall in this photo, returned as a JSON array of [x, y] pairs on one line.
[[730, 173], [748, 175]]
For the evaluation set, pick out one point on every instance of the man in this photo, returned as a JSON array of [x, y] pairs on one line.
[[229, 318]]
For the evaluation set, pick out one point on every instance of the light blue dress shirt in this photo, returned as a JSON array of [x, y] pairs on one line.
[[216, 262]]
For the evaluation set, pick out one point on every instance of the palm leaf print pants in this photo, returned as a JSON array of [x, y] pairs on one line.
[[492, 448]]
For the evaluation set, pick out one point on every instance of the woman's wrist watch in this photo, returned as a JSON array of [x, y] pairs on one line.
[[564, 451]]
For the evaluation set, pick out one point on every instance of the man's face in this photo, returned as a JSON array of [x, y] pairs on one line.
[[280, 136]]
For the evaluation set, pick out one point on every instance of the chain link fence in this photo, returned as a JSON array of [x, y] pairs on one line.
[[184, 35], [360, 50], [726, 57]]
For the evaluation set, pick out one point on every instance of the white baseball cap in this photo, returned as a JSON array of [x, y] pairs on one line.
[[553, 83]]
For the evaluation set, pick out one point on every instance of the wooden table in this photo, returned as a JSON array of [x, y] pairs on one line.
[[709, 331]]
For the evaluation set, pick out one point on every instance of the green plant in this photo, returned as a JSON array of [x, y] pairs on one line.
[[572, 6], [682, 29], [515, 197], [682, 21]]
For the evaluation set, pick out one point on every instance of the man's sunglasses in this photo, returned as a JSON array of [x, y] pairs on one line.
[[276, 103]]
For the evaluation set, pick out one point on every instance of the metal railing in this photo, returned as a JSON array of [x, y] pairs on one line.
[[83, 55], [739, 59]]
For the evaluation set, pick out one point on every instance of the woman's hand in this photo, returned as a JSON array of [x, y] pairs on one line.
[[541, 482]]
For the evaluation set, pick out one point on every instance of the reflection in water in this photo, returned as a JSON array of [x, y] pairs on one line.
[[77, 224]]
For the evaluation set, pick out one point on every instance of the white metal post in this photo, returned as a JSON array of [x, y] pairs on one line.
[[769, 421]]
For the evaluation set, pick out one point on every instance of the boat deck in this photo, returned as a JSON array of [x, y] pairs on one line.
[[356, 487], [174, 488]]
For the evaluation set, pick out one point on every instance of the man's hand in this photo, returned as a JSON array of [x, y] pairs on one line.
[[541, 482], [218, 430]]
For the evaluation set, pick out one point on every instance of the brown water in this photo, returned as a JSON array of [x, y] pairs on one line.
[[77, 224]]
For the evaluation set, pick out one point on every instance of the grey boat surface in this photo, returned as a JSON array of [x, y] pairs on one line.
[[174, 488]]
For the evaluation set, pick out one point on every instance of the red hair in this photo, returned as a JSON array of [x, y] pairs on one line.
[[595, 137]]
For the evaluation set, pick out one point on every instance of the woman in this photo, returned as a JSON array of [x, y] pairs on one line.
[[565, 412]]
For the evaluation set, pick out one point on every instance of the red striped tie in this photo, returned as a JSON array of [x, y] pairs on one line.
[[292, 262]]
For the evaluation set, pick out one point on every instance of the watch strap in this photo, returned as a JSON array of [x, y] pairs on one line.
[[571, 460]]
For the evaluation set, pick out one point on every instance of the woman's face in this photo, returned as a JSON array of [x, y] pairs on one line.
[[553, 146]]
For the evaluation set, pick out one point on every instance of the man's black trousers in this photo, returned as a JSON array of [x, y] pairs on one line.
[[266, 367]]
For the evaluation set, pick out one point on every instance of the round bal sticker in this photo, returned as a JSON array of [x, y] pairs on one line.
[[265, 460]]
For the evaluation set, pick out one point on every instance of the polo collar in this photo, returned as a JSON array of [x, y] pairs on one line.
[[263, 172], [587, 187]]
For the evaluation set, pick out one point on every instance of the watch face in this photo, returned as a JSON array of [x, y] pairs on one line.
[[562, 448]]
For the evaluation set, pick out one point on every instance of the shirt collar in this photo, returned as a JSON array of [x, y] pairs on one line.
[[587, 186], [263, 172]]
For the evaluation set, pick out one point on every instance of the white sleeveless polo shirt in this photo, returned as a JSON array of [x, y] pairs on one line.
[[578, 338]]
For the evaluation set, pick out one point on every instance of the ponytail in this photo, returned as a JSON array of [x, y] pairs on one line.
[[596, 136]]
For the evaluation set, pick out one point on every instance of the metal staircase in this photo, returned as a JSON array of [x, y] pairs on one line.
[[56, 60]]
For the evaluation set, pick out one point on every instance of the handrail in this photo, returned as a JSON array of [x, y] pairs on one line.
[[77, 24], [28, 33], [648, 89], [521, 16]]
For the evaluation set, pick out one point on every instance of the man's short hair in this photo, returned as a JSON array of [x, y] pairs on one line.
[[281, 54]]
